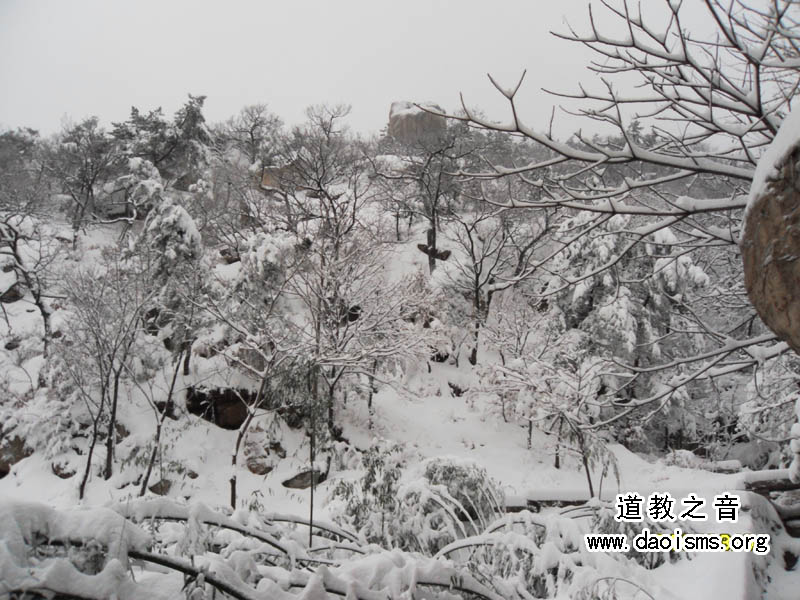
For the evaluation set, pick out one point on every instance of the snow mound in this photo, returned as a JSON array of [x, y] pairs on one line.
[[23, 524]]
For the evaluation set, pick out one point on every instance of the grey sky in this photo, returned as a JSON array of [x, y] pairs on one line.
[[84, 57]]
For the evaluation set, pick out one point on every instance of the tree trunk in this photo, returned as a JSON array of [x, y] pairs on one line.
[[89, 456], [34, 285], [370, 410], [78, 216], [313, 385], [588, 473], [235, 455], [47, 334], [188, 354], [331, 400], [473, 353], [159, 426], [557, 464], [311, 450], [432, 246], [476, 317], [585, 461], [153, 454], [111, 438]]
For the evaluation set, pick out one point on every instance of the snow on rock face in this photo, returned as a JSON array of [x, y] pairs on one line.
[[770, 240], [769, 165], [410, 124]]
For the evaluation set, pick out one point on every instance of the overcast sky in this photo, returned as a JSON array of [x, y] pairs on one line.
[[100, 57]]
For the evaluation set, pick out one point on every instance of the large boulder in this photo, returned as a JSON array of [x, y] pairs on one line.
[[410, 124], [225, 407], [13, 292], [161, 487], [261, 452], [770, 241], [12, 450], [304, 479]]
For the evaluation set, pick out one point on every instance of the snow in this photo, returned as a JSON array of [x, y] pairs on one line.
[[175, 225], [62, 577], [434, 426], [427, 420], [24, 523], [403, 108]]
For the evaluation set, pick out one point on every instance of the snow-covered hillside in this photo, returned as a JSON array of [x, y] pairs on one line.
[[263, 362], [432, 413]]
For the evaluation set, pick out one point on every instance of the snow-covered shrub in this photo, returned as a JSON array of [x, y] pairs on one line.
[[449, 499], [367, 504], [522, 555], [682, 458], [536, 555], [172, 231], [603, 522], [49, 423], [559, 393], [768, 413], [469, 485], [628, 316], [528, 555], [432, 516]]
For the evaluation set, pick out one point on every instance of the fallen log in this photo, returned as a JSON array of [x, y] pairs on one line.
[[774, 480]]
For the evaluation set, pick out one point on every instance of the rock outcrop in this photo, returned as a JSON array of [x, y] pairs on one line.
[[303, 480], [225, 407], [411, 125], [14, 293], [771, 250], [261, 452], [12, 450]]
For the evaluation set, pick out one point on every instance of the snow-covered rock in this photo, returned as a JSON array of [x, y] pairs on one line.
[[411, 123], [770, 241]]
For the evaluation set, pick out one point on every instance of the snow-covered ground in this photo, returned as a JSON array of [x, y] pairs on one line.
[[427, 420]]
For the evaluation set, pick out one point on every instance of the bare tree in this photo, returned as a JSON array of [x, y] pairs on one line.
[[81, 159], [354, 314], [258, 346], [107, 306], [727, 95], [489, 245], [28, 246], [419, 181], [711, 103], [253, 133], [245, 148]]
